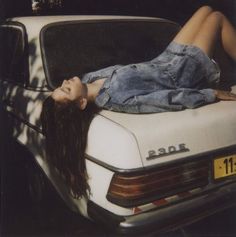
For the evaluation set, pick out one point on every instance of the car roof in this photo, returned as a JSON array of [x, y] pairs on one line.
[[35, 23]]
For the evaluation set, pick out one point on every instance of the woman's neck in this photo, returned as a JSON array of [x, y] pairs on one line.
[[94, 88]]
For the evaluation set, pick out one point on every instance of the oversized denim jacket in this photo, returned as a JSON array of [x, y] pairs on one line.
[[150, 87]]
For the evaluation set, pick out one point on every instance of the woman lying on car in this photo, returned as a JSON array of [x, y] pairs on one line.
[[179, 78]]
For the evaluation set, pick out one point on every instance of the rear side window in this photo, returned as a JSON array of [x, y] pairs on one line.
[[12, 59], [75, 48]]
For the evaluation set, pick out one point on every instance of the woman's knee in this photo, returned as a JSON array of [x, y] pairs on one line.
[[205, 9], [215, 17]]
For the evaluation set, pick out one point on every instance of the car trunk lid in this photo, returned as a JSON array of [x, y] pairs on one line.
[[163, 137]]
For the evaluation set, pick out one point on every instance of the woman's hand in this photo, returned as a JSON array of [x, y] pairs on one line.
[[225, 95]]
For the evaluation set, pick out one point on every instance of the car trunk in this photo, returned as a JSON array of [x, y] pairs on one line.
[[162, 137]]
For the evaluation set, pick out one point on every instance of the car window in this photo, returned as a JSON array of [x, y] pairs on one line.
[[75, 48], [12, 60]]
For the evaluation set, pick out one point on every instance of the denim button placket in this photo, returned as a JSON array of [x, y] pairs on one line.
[[103, 96]]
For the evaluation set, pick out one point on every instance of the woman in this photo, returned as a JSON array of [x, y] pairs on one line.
[[179, 78]]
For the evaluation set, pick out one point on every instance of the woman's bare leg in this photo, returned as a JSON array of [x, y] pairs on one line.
[[216, 26], [203, 30], [189, 31]]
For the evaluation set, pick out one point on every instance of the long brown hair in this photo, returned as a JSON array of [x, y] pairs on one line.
[[65, 127]]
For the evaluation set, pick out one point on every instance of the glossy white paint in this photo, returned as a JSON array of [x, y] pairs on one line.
[[113, 144]]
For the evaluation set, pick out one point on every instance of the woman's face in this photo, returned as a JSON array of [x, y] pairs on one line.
[[70, 90]]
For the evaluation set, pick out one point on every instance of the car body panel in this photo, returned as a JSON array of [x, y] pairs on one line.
[[154, 132]]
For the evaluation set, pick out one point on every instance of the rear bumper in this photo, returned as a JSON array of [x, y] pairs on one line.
[[170, 217]]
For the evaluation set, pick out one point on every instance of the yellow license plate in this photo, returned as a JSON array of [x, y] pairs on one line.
[[224, 166]]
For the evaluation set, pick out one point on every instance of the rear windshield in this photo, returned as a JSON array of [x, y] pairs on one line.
[[75, 48]]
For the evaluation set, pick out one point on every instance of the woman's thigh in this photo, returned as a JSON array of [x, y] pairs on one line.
[[189, 31], [209, 34]]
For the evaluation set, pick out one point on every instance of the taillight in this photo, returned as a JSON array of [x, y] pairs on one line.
[[129, 190]]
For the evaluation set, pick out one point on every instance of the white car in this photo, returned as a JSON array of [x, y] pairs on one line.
[[147, 172]]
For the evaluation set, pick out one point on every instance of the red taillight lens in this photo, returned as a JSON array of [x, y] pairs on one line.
[[129, 190]]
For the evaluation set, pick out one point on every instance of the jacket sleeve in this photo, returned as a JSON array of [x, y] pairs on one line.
[[191, 98], [174, 100]]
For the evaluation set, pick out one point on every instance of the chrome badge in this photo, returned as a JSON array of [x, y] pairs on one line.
[[166, 151]]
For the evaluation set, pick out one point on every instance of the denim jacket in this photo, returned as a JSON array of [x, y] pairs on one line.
[[150, 87]]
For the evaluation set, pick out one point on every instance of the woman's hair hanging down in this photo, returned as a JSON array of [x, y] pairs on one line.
[[65, 127]]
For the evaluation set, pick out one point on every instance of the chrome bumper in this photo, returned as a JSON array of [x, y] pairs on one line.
[[169, 217]]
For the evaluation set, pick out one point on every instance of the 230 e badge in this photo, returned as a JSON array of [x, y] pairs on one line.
[[166, 151]]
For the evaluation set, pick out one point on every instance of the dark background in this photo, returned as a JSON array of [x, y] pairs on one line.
[[177, 10]]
